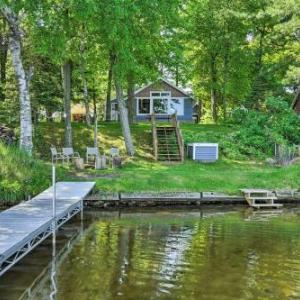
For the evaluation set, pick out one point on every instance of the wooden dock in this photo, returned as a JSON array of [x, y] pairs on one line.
[[26, 225], [260, 198]]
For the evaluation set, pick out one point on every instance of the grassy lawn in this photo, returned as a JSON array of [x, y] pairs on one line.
[[143, 174]]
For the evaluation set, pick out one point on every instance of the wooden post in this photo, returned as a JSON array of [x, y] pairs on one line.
[[179, 136], [154, 136], [54, 205]]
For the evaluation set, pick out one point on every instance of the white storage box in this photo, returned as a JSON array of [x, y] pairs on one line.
[[205, 152]]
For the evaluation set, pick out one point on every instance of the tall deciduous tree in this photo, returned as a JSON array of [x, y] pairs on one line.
[[109, 87], [3, 55], [66, 75], [216, 33], [15, 41]]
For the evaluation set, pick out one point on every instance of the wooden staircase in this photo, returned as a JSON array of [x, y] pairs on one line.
[[167, 141], [260, 198]]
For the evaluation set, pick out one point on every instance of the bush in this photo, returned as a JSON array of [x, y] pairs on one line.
[[21, 176], [259, 131]]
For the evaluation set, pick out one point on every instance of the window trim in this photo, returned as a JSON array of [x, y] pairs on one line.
[[137, 106], [151, 98], [167, 97], [160, 98], [160, 92]]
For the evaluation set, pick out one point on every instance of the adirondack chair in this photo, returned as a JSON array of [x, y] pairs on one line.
[[115, 158], [92, 152], [69, 153], [55, 156]]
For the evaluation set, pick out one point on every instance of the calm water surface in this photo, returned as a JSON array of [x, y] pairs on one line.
[[167, 254]]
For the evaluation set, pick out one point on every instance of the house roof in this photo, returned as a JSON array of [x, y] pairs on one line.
[[166, 82], [296, 99]]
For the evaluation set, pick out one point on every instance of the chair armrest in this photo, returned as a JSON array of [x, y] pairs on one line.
[[76, 154]]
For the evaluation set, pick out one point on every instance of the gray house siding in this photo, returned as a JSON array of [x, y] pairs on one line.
[[162, 86], [187, 116]]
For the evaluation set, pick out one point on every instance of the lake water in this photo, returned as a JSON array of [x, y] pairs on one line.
[[165, 254]]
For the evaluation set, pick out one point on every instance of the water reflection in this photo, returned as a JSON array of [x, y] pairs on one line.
[[208, 254]]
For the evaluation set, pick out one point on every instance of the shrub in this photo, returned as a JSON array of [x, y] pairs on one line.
[[259, 130], [21, 175]]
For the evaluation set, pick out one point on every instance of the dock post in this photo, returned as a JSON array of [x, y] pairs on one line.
[[54, 203]]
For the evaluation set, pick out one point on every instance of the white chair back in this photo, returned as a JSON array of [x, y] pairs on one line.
[[92, 151], [114, 152], [68, 151], [53, 151]]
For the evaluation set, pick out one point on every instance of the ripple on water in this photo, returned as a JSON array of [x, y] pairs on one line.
[[172, 255]]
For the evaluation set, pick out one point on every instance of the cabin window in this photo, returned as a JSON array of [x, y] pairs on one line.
[[144, 106], [160, 94], [155, 94], [160, 106], [177, 106], [114, 106]]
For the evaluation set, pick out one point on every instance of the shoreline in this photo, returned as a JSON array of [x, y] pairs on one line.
[[104, 199]]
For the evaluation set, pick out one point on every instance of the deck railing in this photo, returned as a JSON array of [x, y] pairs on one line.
[[179, 136], [154, 136]]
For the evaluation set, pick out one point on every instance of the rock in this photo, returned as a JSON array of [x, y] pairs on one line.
[[7, 135], [270, 161], [160, 196], [295, 161]]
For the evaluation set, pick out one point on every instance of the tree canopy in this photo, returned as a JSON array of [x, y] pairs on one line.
[[231, 53]]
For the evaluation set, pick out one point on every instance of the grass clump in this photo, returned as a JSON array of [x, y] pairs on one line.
[[21, 175]]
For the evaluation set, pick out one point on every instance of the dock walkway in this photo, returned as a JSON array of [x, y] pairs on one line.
[[26, 225]]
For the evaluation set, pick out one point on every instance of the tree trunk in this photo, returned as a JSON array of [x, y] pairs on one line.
[[85, 96], [66, 72], [131, 99], [225, 72], [22, 80], [258, 84], [109, 87], [3, 59], [123, 117], [177, 75], [213, 90], [95, 121]]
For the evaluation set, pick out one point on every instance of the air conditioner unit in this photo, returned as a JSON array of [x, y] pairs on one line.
[[205, 152]]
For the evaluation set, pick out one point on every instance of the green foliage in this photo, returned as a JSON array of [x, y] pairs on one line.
[[243, 51], [260, 130], [21, 175]]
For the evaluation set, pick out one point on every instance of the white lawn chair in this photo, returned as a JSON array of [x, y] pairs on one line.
[[69, 153], [92, 152], [115, 157], [57, 155], [114, 152]]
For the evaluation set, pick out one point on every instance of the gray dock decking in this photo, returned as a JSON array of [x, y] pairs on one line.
[[26, 225]]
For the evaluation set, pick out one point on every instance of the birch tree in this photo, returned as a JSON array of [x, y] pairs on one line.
[[3, 55], [16, 35]]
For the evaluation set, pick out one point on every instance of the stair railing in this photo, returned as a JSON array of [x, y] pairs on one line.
[[179, 135], [154, 136]]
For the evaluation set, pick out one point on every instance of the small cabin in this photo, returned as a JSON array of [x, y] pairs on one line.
[[162, 98], [296, 102]]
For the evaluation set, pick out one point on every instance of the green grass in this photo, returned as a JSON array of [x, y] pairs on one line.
[[22, 176], [143, 174], [223, 176]]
